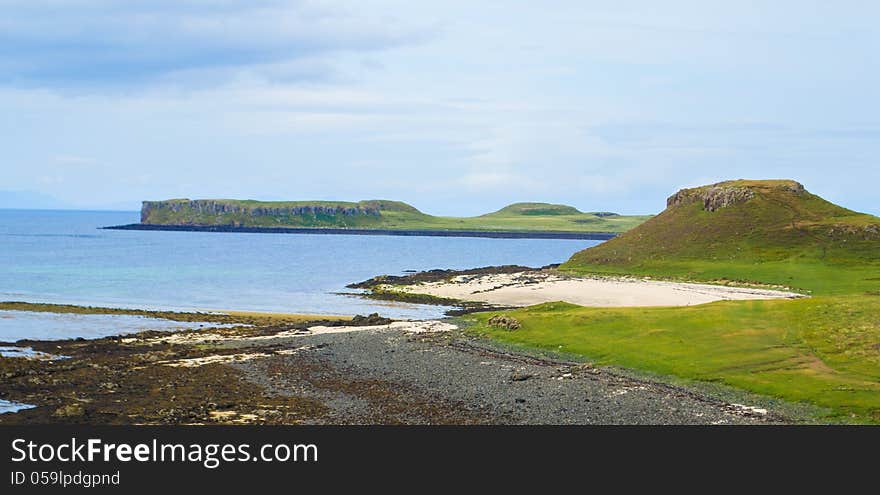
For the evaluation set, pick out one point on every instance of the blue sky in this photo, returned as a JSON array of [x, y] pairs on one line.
[[457, 107]]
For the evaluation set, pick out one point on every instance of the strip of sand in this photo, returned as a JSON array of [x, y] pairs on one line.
[[529, 288], [196, 338]]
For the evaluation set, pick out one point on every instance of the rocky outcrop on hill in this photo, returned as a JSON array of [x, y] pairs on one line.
[[724, 194], [215, 207], [866, 232], [713, 197]]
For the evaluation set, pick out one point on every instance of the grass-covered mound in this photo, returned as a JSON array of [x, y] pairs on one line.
[[772, 232], [377, 214], [537, 209], [823, 350]]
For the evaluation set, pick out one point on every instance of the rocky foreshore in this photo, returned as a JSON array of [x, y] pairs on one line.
[[363, 371], [507, 287]]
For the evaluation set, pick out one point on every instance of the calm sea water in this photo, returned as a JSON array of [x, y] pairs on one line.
[[62, 257], [35, 325]]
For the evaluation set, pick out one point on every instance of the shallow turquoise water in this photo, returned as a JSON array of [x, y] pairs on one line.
[[24, 352], [17, 325], [62, 257], [10, 407]]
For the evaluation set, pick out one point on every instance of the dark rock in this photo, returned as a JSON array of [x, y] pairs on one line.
[[69, 411], [520, 377], [370, 320], [504, 321]]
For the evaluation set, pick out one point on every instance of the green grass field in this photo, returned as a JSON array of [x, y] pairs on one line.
[[400, 216], [823, 350]]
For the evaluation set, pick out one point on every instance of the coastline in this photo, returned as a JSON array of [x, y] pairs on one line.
[[257, 360], [491, 234], [369, 370], [495, 288], [220, 316]]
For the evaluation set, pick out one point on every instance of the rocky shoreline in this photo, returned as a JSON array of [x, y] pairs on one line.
[[363, 371], [509, 287], [375, 287]]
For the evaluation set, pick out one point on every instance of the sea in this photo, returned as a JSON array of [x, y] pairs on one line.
[[63, 256]]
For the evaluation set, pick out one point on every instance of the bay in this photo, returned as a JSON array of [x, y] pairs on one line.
[[63, 257]]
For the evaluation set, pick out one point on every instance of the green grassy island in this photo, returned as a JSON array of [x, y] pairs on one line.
[[377, 214], [823, 351]]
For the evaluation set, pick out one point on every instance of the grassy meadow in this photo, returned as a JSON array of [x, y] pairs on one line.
[[823, 350]]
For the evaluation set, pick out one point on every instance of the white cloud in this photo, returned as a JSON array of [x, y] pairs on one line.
[[450, 105], [85, 44]]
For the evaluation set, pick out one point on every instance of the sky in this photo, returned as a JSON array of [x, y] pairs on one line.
[[457, 107]]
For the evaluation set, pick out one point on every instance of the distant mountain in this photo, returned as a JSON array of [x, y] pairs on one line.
[[538, 209], [376, 214]]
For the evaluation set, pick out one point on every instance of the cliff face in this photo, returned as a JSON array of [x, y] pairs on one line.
[[190, 212], [724, 194]]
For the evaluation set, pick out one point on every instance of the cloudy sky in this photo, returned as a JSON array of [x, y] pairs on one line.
[[457, 107]]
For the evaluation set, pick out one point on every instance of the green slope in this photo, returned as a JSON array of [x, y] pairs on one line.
[[378, 214], [819, 351], [823, 351], [773, 232]]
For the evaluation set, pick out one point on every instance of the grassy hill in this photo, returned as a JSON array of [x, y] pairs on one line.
[[822, 351], [377, 214], [535, 209], [771, 232]]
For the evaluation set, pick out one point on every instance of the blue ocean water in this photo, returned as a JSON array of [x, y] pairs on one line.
[[62, 257], [11, 407], [37, 325]]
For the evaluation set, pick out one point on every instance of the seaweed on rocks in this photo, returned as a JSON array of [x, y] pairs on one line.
[[435, 275]]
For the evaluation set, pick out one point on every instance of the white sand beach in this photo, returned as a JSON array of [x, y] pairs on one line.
[[528, 288]]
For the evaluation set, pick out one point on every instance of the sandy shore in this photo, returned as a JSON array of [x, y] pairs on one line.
[[535, 287]]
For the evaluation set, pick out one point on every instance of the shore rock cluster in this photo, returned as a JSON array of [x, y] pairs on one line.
[[504, 321]]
